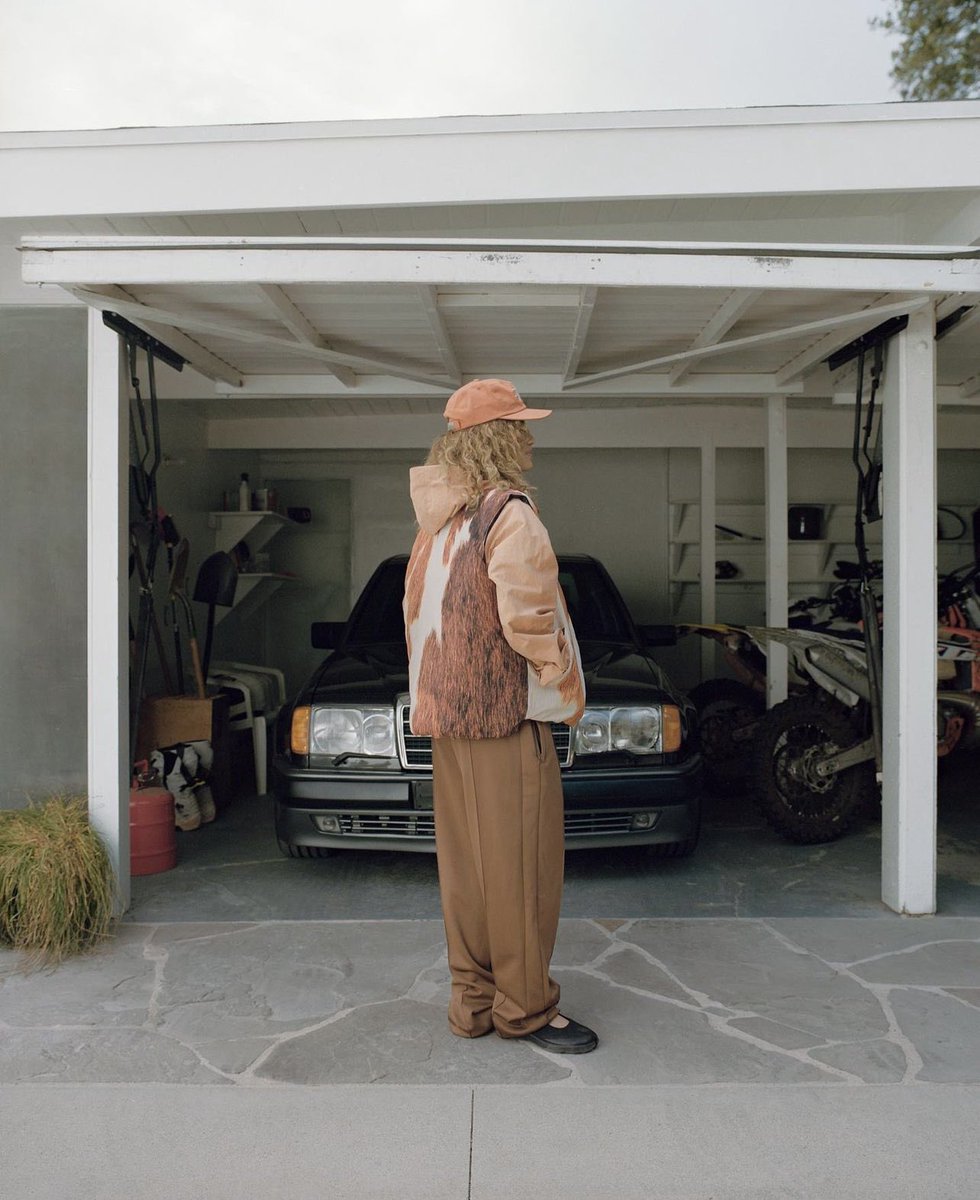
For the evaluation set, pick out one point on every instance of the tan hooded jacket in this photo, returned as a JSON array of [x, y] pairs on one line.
[[490, 642]]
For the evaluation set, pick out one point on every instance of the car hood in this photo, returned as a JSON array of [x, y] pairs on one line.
[[614, 674]]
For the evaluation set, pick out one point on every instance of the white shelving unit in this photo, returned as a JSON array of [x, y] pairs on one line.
[[811, 562], [257, 529]]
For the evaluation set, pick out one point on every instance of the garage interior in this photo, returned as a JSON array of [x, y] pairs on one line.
[[588, 336], [269, 392]]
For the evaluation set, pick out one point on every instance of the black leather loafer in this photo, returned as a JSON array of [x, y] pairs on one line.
[[572, 1039]]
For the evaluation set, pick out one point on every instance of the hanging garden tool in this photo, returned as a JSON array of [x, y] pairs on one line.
[[178, 597], [145, 456]]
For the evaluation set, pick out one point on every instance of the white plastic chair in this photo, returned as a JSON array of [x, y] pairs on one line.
[[263, 693]]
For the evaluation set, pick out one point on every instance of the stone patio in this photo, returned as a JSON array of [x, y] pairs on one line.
[[695, 1002]]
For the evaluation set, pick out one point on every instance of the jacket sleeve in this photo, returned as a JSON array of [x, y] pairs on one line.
[[524, 570]]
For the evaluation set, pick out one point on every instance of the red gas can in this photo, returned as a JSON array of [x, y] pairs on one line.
[[152, 833]]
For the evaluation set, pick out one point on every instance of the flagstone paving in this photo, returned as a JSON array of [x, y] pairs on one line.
[[840, 1002]]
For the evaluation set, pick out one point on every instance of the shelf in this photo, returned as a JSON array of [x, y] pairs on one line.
[[253, 526], [253, 590], [256, 528], [811, 561]]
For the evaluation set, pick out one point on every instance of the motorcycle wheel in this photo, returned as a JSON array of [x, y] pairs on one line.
[[792, 798], [725, 705]]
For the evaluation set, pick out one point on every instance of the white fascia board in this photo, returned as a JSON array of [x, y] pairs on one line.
[[859, 148], [246, 260]]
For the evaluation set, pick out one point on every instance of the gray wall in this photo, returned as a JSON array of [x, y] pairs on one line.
[[42, 581]]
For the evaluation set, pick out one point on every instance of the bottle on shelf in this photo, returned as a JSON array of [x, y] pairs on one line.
[[244, 494]]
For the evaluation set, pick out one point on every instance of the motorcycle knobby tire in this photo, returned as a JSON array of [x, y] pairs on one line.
[[725, 705], [805, 812]]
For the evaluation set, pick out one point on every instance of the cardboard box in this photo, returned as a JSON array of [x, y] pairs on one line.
[[165, 720]]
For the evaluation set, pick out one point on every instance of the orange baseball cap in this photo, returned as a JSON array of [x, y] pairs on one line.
[[483, 400]]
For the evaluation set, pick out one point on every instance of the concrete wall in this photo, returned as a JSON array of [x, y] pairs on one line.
[[42, 581]]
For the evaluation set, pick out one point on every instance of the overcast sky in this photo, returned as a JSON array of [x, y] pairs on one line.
[[84, 64]]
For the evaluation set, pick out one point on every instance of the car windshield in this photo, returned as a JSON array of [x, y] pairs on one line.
[[597, 611]]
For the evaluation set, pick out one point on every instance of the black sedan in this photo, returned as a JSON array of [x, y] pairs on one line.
[[349, 774]]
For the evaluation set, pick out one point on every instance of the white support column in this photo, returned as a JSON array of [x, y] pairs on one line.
[[108, 662], [908, 844], [777, 544], [708, 552]]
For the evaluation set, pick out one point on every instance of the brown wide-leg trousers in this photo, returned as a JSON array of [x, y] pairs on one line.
[[500, 846]]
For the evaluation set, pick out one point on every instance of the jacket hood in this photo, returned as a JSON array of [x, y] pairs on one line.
[[438, 493]]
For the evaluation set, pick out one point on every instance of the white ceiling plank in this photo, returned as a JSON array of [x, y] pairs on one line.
[[735, 307], [444, 343], [294, 320], [797, 367], [868, 316], [583, 319], [524, 298], [815, 354], [102, 298], [200, 358]]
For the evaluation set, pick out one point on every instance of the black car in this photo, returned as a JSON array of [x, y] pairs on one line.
[[348, 773]]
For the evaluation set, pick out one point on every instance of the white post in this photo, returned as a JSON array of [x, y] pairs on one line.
[[777, 544], [108, 590], [908, 844], [708, 551]]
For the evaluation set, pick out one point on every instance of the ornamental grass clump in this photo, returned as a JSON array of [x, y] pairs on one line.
[[57, 887]]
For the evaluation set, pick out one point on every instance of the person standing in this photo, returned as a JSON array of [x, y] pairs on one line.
[[493, 660]]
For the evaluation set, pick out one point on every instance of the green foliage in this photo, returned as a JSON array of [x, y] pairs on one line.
[[939, 55], [57, 886]]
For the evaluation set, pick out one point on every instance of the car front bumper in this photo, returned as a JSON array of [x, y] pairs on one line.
[[387, 811]]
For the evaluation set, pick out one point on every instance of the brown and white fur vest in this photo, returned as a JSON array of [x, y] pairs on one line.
[[465, 679]]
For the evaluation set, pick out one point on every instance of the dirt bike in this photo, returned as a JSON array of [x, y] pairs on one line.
[[810, 762], [730, 709]]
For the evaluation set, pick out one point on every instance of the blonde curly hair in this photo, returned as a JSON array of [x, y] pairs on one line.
[[488, 455]]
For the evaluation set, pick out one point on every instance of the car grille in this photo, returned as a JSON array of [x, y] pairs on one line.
[[411, 825], [398, 825], [415, 750]]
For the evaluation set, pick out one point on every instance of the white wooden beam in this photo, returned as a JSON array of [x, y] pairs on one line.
[[728, 314], [101, 298], [582, 264], [633, 428], [108, 599], [908, 844], [777, 545], [867, 317], [946, 394], [971, 387], [301, 328], [440, 332], [583, 319]]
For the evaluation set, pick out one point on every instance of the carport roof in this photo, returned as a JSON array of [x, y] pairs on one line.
[[356, 320]]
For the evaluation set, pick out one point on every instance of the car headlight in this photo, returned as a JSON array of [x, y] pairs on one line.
[[647, 729], [368, 729]]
